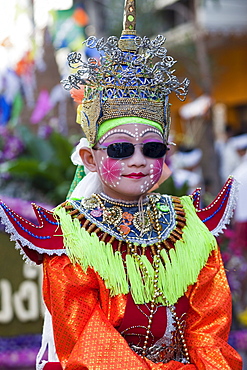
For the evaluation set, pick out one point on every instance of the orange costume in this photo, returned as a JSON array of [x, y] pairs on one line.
[[85, 319]]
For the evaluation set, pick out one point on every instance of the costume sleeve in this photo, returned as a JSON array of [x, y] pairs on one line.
[[209, 319], [208, 322], [84, 337]]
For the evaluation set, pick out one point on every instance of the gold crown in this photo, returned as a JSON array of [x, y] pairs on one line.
[[133, 77]]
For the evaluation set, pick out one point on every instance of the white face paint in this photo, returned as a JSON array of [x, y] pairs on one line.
[[137, 134], [128, 178]]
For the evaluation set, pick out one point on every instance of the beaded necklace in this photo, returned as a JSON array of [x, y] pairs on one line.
[[136, 219], [129, 204]]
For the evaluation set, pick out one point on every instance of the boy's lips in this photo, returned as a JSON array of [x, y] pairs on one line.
[[135, 175]]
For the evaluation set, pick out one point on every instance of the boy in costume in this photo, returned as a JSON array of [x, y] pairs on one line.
[[132, 279]]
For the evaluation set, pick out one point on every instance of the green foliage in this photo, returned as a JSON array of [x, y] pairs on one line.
[[45, 164], [169, 187]]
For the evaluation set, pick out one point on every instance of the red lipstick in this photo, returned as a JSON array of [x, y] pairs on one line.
[[134, 175]]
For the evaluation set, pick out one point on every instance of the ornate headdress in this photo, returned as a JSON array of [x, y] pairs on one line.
[[133, 77]]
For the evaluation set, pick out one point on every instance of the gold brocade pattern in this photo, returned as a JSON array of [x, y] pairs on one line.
[[209, 318], [84, 317], [126, 107]]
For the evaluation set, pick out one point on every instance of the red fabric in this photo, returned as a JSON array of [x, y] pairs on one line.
[[214, 213], [47, 236], [133, 316], [53, 366]]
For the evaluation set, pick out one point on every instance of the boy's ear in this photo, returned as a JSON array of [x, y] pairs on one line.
[[88, 159]]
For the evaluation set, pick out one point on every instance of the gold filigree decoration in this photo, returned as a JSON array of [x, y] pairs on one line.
[[112, 216], [87, 116]]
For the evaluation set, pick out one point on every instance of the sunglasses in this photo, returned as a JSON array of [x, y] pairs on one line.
[[126, 150]]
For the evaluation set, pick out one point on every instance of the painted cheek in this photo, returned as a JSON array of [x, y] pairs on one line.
[[110, 171], [156, 170]]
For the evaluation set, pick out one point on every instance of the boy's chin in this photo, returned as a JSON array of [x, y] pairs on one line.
[[128, 195]]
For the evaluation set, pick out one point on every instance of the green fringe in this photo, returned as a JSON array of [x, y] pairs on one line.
[[148, 277], [162, 281], [185, 261], [135, 278], [89, 251], [178, 268], [120, 272]]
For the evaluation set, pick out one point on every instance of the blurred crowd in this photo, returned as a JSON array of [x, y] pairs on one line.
[[187, 174]]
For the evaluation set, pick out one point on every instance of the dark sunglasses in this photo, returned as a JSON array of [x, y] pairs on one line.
[[125, 150]]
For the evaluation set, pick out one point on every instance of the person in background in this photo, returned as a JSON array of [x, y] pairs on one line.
[[232, 154], [186, 169]]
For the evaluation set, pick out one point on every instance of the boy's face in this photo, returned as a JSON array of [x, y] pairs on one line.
[[129, 177]]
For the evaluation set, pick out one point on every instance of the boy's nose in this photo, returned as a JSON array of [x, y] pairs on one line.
[[137, 159]]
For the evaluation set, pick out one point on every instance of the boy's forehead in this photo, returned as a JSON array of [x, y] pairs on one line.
[[135, 130]]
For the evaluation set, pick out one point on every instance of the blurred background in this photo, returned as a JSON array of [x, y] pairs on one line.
[[38, 130]]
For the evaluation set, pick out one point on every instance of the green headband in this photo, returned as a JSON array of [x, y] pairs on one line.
[[114, 122]]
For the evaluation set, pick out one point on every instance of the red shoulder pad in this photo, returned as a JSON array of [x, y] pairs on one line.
[[219, 213], [35, 240]]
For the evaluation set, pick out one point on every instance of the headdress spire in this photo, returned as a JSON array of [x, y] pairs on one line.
[[127, 40], [129, 19]]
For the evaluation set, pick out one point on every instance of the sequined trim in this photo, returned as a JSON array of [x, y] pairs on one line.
[[230, 197], [22, 241]]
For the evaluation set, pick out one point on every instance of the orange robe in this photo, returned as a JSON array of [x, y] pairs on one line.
[[85, 317]]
